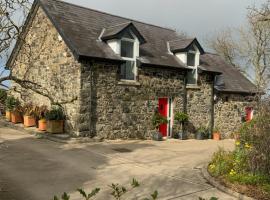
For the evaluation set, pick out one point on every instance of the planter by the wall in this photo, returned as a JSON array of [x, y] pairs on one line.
[[29, 121], [8, 116], [216, 136], [16, 117], [199, 136], [42, 125], [55, 126], [157, 136]]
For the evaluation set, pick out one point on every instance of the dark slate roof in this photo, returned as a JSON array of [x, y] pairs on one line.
[[117, 31], [231, 80], [81, 27], [182, 45]]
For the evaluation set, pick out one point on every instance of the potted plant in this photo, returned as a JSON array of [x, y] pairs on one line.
[[15, 109], [16, 114], [181, 118], [40, 113], [55, 120], [216, 134], [10, 103], [158, 120], [28, 117], [200, 133]]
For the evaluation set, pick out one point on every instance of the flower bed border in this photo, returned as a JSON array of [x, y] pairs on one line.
[[221, 187]]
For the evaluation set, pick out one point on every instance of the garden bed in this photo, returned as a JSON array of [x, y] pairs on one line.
[[260, 192]]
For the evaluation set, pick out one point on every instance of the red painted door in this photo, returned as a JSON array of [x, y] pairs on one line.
[[249, 113], [163, 110]]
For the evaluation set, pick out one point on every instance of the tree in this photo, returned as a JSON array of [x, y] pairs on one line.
[[12, 16], [248, 48], [15, 24]]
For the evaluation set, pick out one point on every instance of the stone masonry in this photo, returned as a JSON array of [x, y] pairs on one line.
[[45, 59], [199, 103], [96, 102], [122, 109], [229, 109]]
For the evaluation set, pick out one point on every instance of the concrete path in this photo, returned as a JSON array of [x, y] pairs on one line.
[[37, 169]]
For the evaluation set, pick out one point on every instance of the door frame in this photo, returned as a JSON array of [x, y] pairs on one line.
[[170, 117]]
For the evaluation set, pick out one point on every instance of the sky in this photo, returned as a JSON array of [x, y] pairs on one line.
[[198, 18]]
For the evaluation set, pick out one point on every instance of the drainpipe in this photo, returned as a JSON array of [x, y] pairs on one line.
[[212, 117]]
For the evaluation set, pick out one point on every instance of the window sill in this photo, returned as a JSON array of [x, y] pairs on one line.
[[128, 83], [193, 86]]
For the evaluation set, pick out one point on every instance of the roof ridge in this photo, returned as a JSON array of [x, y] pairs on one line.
[[99, 11], [129, 22], [193, 38]]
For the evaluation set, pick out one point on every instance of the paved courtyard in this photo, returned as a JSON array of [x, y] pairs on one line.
[[37, 169]]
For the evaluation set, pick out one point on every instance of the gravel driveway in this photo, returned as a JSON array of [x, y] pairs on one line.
[[37, 169]]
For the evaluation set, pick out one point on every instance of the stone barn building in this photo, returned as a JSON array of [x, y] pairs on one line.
[[111, 73]]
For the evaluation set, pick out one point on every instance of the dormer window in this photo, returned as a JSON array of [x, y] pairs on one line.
[[191, 59], [128, 69], [188, 52], [125, 39], [192, 75]]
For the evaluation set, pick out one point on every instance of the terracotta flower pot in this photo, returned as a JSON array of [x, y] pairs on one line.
[[29, 121], [216, 136], [55, 126], [16, 117], [8, 116], [42, 125]]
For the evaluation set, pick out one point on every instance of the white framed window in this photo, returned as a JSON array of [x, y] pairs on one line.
[[191, 56], [192, 62], [127, 52]]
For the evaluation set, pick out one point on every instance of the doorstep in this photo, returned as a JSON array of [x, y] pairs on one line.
[[61, 138]]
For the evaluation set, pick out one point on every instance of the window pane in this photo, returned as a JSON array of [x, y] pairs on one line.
[[191, 59], [127, 49], [128, 70], [191, 77]]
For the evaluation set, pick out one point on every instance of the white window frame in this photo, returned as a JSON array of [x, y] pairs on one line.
[[195, 67], [130, 59]]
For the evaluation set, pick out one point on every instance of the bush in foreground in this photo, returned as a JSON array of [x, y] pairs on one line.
[[249, 163]]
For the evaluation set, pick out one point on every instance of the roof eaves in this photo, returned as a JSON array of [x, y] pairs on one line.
[[101, 59]]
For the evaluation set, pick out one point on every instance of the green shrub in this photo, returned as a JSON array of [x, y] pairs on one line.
[[158, 119], [11, 103], [3, 96], [249, 179], [222, 163], [117, 192], [56, 113], [181, 117], [256, 134]]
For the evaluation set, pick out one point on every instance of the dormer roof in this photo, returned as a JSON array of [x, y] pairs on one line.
[[119, 30], [183, 45]]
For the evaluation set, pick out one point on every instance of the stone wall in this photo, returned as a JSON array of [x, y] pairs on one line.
[[199, 103], [45, 59], [96, 102], [229, 109], [124, 110]]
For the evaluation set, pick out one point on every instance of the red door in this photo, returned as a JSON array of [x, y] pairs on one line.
[[163, 110], [249, 114]]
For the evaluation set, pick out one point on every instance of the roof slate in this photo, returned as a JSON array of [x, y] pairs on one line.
[[183, 45], [232, 79], [83, 26]]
